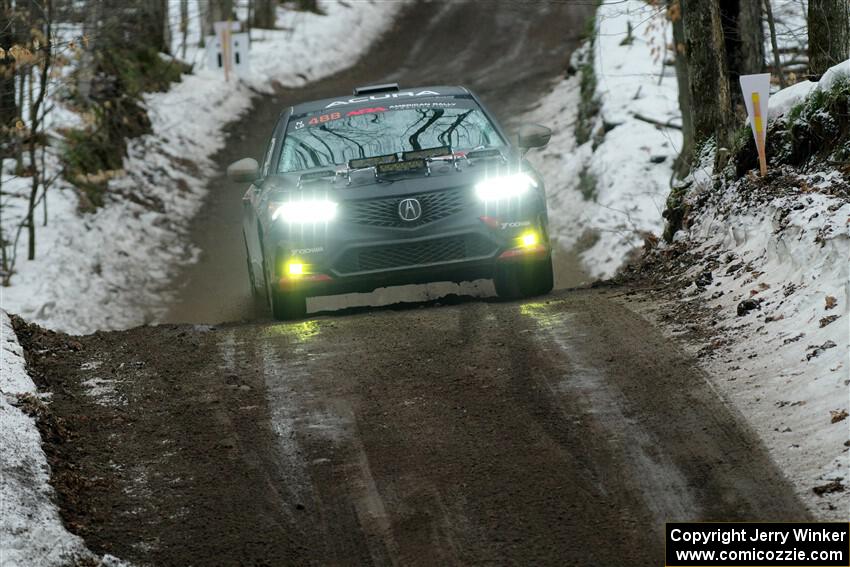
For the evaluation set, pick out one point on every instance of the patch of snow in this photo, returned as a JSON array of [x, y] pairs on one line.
[[834, 74], [31, 531], [111, 269]]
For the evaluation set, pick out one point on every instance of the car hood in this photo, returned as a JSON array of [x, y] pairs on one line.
[[363, 184]]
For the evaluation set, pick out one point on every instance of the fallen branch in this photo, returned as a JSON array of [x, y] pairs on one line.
[[656, 122]]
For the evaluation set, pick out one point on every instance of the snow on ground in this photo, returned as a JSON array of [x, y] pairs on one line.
[[787, 362], [110, 269], [607, 194], [774, 285], [774, 279], [31, 531]]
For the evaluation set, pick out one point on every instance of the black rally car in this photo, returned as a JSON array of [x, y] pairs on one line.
[[390, 187]]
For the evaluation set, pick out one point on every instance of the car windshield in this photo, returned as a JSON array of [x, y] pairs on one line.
[[337, 136]]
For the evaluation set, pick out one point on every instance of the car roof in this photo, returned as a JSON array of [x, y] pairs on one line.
[[400, 96]]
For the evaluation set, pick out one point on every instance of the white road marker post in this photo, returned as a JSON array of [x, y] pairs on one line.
[[756, 90], [225, 37]]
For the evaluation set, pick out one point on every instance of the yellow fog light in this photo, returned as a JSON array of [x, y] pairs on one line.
[[528, 239], [295, 269]]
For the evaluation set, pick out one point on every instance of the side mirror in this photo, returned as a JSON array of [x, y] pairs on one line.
[[533, 136], [244, 170]]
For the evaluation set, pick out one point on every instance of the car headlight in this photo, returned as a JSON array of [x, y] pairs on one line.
[[504, 187], [306, 211]]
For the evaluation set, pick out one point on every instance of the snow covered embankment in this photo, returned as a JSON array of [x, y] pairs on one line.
[[606, 195], [31, 531], [770, 277], [111, 269], [779, 298]]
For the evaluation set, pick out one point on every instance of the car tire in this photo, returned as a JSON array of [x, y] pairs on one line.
[[252, 281], [515, 280], [288, 305]]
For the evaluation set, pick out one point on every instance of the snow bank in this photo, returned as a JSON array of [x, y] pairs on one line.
[[111, 269], [607, 195], [786, 99], [31, 531], [784, 363], [772, 279]]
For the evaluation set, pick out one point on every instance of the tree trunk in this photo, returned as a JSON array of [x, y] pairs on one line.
[[218, 11], [774, 45], [751, 32], [36, 99], [264, 13], [8, 107], [743, 39], [829, 34], [310, 6], [166, 28], [708, 77], [86, 70], [683, 161], [152, 21], [184, 27]]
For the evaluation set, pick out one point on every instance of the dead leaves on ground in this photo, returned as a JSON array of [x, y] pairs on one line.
[[838, 415]]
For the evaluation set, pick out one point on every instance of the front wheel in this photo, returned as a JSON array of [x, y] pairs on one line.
[[514, 280], [288, 305], [285, 305]]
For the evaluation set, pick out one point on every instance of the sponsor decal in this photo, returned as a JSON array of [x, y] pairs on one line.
[[515, 224], [414, 105], [324, 118], [303, 251], [361, 111], [384, 96]]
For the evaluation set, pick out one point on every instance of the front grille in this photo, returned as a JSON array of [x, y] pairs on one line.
[[434, 251], [384, 212]]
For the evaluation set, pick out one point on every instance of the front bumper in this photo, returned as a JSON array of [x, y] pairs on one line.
[[350, 255]]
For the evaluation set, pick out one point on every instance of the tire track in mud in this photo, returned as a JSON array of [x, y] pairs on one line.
[[508, 433], [562, 431]]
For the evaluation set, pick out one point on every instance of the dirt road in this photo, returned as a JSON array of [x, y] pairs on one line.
[[563, 431]]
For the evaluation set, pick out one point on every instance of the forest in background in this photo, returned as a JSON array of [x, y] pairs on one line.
[[100, 56]]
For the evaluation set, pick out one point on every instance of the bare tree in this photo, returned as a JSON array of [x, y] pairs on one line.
[[40, 15], [743, 38], [184, 27], [8, 106], [310, 6], [829, 34], [708, 78], [683, 161], [774, 45], [217, 11], [264, 13], [751, 33]]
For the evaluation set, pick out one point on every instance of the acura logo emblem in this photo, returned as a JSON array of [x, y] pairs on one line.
[[409, 210]]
